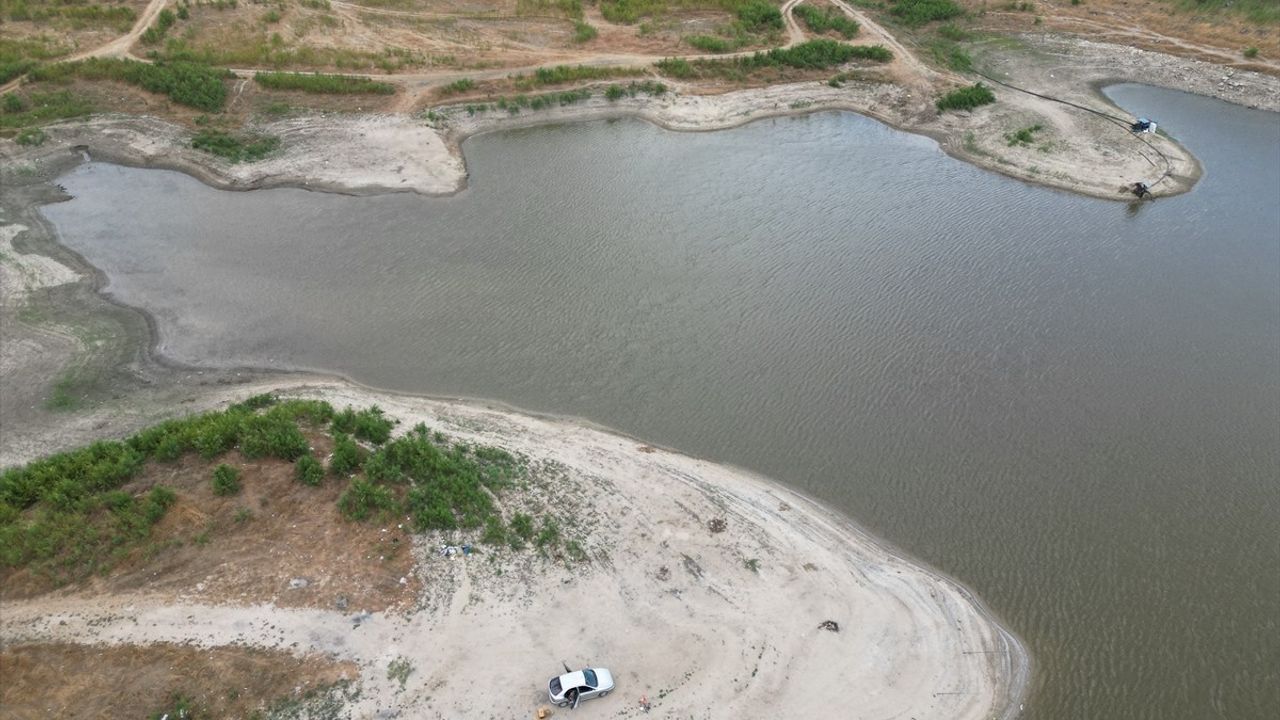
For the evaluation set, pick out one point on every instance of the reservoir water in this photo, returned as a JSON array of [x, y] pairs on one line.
[[1071, 405]]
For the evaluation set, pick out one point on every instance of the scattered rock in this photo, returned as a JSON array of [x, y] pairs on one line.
[[717, 525], [831, 625], [341, 602], [664, 573]]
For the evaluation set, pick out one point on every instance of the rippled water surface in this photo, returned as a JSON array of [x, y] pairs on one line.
[[1071, 405]]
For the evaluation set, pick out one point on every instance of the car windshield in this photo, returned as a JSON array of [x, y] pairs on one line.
[[590, 675], [555, 686]]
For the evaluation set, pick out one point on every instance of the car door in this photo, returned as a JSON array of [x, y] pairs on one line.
[[586, 692]]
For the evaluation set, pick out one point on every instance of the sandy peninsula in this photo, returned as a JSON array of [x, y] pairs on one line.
[[706, 592]]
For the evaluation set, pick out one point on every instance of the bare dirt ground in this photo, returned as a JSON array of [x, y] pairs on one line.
[[1217, 37], [704, 590], [66, 680]]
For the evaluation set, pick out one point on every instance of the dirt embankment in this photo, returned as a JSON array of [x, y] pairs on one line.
[[704, 588]]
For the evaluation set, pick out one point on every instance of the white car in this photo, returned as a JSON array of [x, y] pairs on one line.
[[570, 688]]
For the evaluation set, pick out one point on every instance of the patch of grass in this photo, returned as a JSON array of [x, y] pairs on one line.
[[369, 424], [447, 487], [309, 470], [320, 83], [242, 516], [954, 33], [226, 480], [1023, 137], [566, 8], [821, 22], [919, 12], [966, 98], [235, 148], [179, 706], [274, 52], [347, 455], [711, 43], [584, 32], [458, 87], [810, 55], [186, 83], [565, 74], [363, 500], [34, 137], [950, 54], [752, 564], [40, 108], [522, 526], [399, 670], [157, 31], [1250, 52], [1260, 12], [66, 540]]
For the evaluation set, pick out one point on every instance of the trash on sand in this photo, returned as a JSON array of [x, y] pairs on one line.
[[298, 583], [448, 550], [831, 625]]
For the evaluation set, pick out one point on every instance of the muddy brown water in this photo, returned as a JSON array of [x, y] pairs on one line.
[[1071, 405]]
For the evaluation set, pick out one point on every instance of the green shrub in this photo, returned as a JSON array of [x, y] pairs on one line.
[[821, 22], [1251, 52], [347, 455], [65, 478], [13, 103], [320, 83], [813, 54], [235, 148], [156, 32], [522, 526], [31, 137], [494, 531], [1025, 136], [919, 12], [549, 535], [582, 32], [272, 435], [368, 424], [363, 500], [226, 480], [187, 83], [712, 44], [966, 98], [309, 470], [614, 92], [458, 86], [760, 16]]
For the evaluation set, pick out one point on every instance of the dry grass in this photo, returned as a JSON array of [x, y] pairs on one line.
[[62, 680]]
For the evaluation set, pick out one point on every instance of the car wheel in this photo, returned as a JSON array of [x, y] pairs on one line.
[[563, 704], [606, 692]]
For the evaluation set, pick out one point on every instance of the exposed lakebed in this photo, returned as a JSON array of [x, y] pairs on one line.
[[1071, 405]]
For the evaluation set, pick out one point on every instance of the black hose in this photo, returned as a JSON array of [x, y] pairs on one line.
[[1168, 164]]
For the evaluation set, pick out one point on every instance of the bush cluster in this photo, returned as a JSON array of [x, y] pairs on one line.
[[820, 22], [226, 480], [235, 148], [321, 83], [966, 98], [370, 424], [187, 83], [919, 12], [813, 54]]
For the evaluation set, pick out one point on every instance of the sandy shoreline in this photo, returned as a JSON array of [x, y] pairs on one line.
[[676, 610], [372, 154]]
